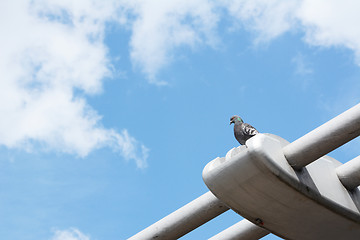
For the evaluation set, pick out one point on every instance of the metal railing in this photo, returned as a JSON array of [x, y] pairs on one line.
[[299, 153]]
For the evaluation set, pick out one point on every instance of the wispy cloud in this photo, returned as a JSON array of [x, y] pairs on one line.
[[159, 29], [69, 234], [50, 50], [268, 19], [331, 23], [302, 65]]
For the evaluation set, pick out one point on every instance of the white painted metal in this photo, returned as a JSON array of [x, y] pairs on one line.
[[184, 220], [279, 186], [243, 230], [349, 173], [324, 139], [257, 182]]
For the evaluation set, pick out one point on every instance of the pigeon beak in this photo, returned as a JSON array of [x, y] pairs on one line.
[[231, 122]]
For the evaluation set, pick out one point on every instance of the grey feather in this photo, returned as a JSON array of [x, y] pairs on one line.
[[242, 131]]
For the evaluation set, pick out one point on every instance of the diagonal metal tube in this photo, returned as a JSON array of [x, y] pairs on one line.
[[185, 219], [324, 139], [349, 173], [243, 230]]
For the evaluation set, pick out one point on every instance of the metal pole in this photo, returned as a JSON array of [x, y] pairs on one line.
[[324, 139], [349, 173], [185, 219], [243, 230]]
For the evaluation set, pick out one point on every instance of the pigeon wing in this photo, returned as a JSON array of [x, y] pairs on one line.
[[249, 130]]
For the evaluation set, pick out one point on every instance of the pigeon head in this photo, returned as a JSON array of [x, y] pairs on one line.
[[235, 119]]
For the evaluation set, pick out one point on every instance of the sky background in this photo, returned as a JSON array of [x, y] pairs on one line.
[[111, 109]]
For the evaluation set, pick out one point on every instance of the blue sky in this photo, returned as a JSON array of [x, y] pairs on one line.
[[111, 109]]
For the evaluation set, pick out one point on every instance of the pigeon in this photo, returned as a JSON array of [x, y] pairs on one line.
[[242, 131]]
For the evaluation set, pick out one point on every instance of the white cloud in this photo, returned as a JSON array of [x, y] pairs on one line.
[[267, 18], [69, 234], [325, 23], [159, 28], [50, 49], [331, 23]]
